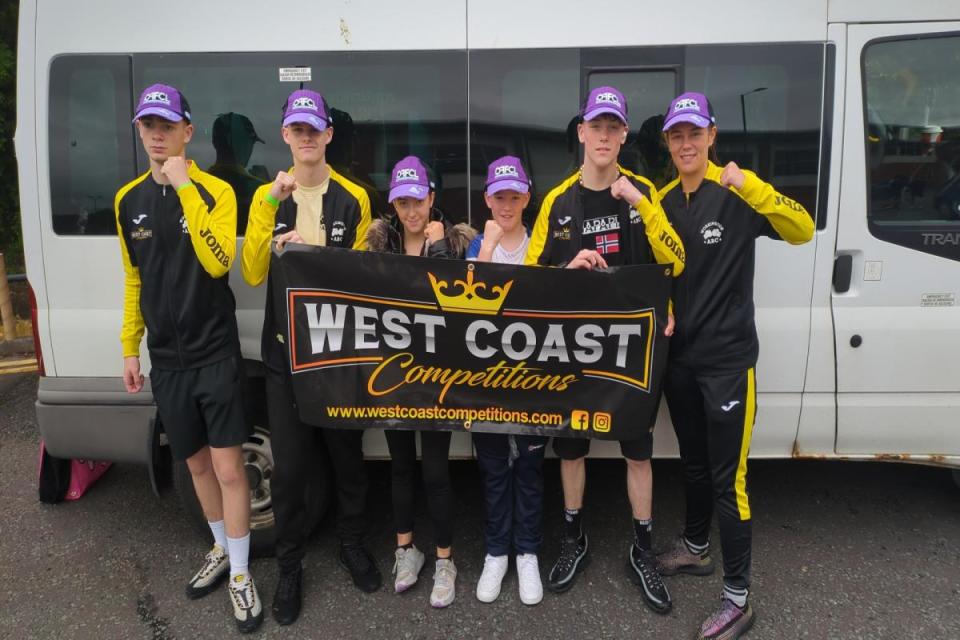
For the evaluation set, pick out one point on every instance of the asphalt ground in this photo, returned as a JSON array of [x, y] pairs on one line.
[[841, 550]]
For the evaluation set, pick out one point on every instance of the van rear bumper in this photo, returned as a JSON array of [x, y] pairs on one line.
[[96, 419]]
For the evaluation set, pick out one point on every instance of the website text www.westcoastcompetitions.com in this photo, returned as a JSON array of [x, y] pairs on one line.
[[489, 414]]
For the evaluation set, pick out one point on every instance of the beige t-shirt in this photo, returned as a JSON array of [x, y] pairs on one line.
[[310, 213]]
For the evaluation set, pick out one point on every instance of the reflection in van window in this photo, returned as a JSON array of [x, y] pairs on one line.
[[913, 131], [91, 141], [384, 106]]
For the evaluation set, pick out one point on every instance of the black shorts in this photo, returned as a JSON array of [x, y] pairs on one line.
[[202, 406], [575, 448]]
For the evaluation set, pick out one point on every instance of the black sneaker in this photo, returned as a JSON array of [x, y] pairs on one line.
[[642, 569], [362, 567], [288, 598], [573, 559]]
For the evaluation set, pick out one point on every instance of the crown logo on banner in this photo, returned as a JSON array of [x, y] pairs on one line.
[[468, 300]]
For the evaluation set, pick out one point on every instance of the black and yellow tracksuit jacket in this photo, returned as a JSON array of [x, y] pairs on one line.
[[177, 247], [713, 298], [346, 216], [556, 236]]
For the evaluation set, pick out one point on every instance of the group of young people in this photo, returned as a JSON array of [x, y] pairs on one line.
[[177, 231]]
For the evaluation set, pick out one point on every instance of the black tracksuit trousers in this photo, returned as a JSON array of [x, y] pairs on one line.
[[713, 416], [294, 446]]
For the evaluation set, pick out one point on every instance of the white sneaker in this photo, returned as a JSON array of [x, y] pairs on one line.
[[214, 570], [407, 565], [494, 568], [528, 575], [247, 608], [444, 583]]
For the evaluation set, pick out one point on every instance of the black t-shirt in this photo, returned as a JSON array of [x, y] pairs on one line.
[[601, 225]]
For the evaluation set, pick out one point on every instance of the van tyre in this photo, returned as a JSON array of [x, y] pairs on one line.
[[956, 477], [258, 460]]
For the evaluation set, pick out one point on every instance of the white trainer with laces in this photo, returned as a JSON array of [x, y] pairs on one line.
[[247, 608], [528, 575], [444, 583], [494, 568], [214, 569], [407, 565]]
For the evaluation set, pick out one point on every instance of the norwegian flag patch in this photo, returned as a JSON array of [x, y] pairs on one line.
[[608, 243]]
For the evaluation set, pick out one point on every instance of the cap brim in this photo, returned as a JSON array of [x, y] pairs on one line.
[[503, 185], [598, 111], [314, 121], [160, 112], [693, 118], [415, 191]]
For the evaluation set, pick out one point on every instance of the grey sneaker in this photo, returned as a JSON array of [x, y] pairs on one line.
[[444, 583], [407, 565], [677, 558], [214, 570], [247, 608]]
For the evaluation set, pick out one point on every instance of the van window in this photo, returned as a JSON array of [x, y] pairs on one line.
[[768, 100], [384, 105], [91, 141], [912, 118]]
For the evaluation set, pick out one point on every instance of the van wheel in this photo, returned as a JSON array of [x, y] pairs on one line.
[[258, 460]]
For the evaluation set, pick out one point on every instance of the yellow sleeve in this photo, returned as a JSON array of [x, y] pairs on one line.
[[131, 330], [787, 216], [664, 241], [255, 252], [538, 235], [213, 232], [360, 239]]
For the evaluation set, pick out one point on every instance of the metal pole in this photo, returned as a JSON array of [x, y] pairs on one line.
[[6, 305]]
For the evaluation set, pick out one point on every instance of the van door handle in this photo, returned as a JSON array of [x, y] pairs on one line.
[[842, 270]]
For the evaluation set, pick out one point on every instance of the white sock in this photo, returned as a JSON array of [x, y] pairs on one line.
[[239, 551], [737, 596], [219, 533]]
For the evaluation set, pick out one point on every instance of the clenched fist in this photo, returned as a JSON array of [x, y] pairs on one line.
[[492, 234], [434, 231], [732, 176], [283, 186], [175, 170], [624, 189]]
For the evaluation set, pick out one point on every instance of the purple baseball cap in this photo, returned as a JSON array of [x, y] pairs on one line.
[[163, 101], [605, 100], [690, 107], [409, 180], [507, 173], [308, 107]]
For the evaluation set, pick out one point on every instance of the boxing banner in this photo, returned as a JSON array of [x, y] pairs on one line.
[[391, 341]]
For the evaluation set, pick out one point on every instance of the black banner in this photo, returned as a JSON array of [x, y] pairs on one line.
[[383, 340]]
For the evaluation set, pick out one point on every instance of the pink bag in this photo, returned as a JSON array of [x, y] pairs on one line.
[[83, 473]]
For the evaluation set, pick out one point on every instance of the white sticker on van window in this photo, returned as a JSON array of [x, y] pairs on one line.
[[295, 74], [937, 300]]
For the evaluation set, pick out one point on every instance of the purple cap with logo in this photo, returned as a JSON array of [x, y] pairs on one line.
[[409, 180], [605, 100], [308, 107], [690, 107], [507, 173], [163, 101]]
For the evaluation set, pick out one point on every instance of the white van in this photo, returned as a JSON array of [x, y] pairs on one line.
[[851, 107]]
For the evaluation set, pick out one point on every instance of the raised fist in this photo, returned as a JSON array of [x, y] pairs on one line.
[[434, 231], [624, 189], [492, 234], [732, 176], [283, 186], [175, 169]]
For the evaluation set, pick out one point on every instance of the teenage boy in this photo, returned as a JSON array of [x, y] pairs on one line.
[[310, 204], [177, 228], [602, 216]]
